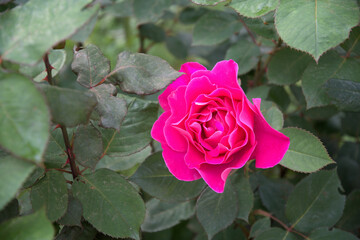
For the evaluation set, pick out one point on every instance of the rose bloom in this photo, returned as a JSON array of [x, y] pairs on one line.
[[209, 127]]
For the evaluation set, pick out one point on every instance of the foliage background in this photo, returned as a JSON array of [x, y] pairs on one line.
[[301, 57]]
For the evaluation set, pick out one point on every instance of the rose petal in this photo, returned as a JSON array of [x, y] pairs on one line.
[[191, 67], [176, 165], [157, 131], [197, 86], [271, 144]]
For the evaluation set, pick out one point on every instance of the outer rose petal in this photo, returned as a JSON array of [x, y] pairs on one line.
[[176, 165], [157, 131], [271, 144]]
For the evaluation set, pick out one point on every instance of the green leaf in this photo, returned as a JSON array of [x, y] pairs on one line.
[[315, 202], [331, 66], [84, 32], [207, 2], [152, 32], [143, 74], [110, 203], [51, 192], [215, 27], [259, 226], [276, 234], [150, 11], [111, 109], [272, 114], [306, 152], [254, 8], [86, 232], [344, 94], [245, 196], [135, 130], [90, 65], [38, 72], [59, 20], [349, 123], [73, 213], [190, 15], [177, 47], [262, 26], [155, 179], [55, 154], [352, 44], [24, 117], [258, 92], [278, 95], [245, 54], [350, 220], [11, 210], [230, 233], [88, 146], [13, 173], [34, 226], [287, 66], [315, 26], [69, 107], [324, 233], [274, 194], [162, 215], [348, 161], [216, 211]]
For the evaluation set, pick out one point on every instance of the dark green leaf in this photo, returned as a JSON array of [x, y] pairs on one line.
[[279, 96], [86, 232], [190, 15], [230, 233], [215, 27], [143, 74], [245, 54], [306, 152], [348, 160], [155, 179], [315, 202], [34, 226], [152, 32], [55, 154], [245, 196], [315, 26], [24, 117], [263, 26], [352, 44], [349, 123], [34, 176], [110, 203], [177, 47], [150, 11], [324, 233], [344, 94], [90, 65], [350, 220], [216, 211], [260, 226], [13, 172], [276, 234], [258, 92], [254, 8], [287, 66], [162, 215], [51, 192], [11, 210], [59, 20], [88, 146], [272, 114], [73, 213], [69, 107], [331, 65]]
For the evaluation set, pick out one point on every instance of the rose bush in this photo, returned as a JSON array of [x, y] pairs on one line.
[[209, 127]]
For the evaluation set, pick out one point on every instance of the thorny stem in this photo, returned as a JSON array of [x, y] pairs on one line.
[[249, 32], [70, 154], [289, 229]]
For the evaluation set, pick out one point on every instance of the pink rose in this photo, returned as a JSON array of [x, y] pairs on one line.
[[209, 127]]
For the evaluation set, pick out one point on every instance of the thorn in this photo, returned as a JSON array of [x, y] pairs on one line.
[[45, 79], [56, 127]]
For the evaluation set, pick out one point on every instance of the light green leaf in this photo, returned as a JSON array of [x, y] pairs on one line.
[[276, 234], [112, 110], [306, 152], [260, 226], [150, 11], [90, 65], [75, 108], [51, 192], [258, 92], [88, 146], [143, 74], [272, 114], [24, 117], [331, 66], [216, 211], [155, 179], [324, 233], [254, 8], [215, 27], [34, 226], [245, 54], [13, 173], [110, 203], [315, 26], [315, 202], [47, 23], [245, 196], [287, 66], [162, 215], [208, 2], [38, 72]]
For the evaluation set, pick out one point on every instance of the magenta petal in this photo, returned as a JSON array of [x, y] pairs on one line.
[[157, 131], [271, 144], [196, 87], [191, 67], [176, 165]]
